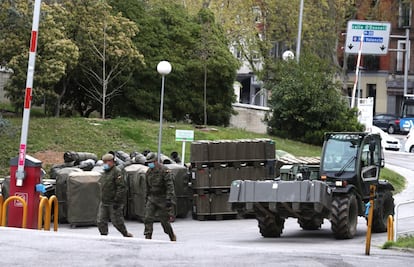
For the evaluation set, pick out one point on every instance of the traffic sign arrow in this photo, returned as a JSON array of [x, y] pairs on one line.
[[350, 46], [382, 47]]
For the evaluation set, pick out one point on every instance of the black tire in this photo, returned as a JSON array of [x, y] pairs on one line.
[[381, 213], [271, 226], [310, 224], [412, 149], [344, 217], [391, 129]]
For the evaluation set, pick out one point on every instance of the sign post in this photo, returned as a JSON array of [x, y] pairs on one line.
[[184, 136]]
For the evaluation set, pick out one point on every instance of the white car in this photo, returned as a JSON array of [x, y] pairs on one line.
[[387, 142], [409, 141]]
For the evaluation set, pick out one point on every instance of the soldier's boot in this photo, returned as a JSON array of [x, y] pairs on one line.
[[172, 237], [128, 235], [148, 236]]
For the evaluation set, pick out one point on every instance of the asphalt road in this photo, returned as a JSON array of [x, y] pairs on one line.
[[206, 243]]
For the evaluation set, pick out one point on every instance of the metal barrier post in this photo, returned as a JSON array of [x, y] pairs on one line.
[[44, 201], [4, 209], [370, 216], [1, 205], [397, 218], [53, 200], [390, 228]]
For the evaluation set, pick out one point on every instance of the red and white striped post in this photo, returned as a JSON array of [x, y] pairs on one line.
[[361, 42], [20, 174]]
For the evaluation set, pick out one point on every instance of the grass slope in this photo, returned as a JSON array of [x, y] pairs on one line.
[[99, 136]]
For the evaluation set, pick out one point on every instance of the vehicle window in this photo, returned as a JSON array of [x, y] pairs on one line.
[[408, 110], [369, 158], [339, 153]]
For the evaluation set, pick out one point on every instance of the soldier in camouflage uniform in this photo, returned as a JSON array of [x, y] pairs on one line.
[[160, 196], [113, 190]]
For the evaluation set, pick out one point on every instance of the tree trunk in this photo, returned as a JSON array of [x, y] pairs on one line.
[[205, 94], [59, 98]]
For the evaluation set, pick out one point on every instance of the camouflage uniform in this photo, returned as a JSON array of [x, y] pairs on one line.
[[113, 193], [160, 195]]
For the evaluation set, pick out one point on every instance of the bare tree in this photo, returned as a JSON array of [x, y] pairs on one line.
[[100, 81]]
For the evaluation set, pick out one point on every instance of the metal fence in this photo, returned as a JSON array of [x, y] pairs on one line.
[[404, 219]]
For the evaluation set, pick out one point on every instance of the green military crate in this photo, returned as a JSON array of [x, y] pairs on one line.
[[200, 178], [246, 173], [261, 172], [199, 151], [83, 198], [217, 151], [201, 201], [5, 187], [223, 176], [135, 179], [219, 204], [182, 188], [62, 176], [241, 149]]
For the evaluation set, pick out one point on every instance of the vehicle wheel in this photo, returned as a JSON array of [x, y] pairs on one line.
[[344, 216], [271, 226], [391, 129], [310, 224], [381, 213], [412, 149]]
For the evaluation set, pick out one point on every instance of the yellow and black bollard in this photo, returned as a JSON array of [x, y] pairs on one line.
[[47, 205], [370, 216], [390, 228], [4, 210]]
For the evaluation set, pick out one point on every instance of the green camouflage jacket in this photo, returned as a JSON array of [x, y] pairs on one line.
[[160, 184], [113, 188]]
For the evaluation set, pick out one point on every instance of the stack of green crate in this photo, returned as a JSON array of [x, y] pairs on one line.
[[215, 164]]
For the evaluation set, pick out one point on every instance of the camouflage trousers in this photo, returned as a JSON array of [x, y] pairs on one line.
[[107, 212], [157, 208]]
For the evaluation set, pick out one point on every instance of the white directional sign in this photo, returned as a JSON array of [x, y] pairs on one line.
[[184, 135], [376, 36]]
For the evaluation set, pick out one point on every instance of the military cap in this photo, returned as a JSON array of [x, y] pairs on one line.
[[107, 157], [151, 157]]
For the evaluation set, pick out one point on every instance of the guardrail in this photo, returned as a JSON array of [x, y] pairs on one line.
[[398, 219]]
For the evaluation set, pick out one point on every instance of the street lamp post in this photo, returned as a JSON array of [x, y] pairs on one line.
[[299, 31], [163, 68]]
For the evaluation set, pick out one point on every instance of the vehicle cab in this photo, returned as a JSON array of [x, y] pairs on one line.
[[350, 160]]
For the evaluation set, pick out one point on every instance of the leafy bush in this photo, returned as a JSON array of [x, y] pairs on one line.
[[306, 101]]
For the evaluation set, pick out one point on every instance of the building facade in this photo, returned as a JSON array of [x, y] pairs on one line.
[[382, 77]]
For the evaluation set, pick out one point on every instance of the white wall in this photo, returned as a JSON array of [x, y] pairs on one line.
[[249, 118]]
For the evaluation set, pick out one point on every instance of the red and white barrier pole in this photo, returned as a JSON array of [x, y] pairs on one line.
[[20, 174], [361, 42]]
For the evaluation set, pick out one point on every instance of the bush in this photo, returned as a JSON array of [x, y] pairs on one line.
[[306, 101]]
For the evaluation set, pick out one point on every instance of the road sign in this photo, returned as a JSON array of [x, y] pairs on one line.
[[184, 135], [376, 36]]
